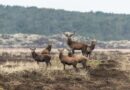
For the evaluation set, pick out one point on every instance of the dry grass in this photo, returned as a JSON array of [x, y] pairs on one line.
[[12, 67], [108, 71]]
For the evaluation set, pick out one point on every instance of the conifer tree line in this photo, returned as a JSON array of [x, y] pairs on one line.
[[32, 20]]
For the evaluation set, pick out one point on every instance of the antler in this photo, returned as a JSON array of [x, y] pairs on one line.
[[69, 34], [66, 34]]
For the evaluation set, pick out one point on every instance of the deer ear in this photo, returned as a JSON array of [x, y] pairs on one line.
[[65, 34], [72, 34]]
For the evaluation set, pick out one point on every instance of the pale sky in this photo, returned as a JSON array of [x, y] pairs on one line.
[[112, 6]]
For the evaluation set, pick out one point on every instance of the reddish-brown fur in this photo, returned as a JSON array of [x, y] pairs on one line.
[[40, 57], [75, 45], [90, 48], [78, 57], [65, 60], [47, 50], [71, 60]]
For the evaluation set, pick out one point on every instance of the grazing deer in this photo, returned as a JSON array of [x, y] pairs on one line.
[[47, 50], [40, 57], [75, 45], [90, 48], [73, 60]]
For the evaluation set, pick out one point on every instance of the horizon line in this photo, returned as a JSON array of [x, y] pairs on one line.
[[93, 11]]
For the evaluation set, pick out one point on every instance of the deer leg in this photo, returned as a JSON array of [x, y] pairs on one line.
[[83, 52], [37, 62], [47, 65], [90, 56], [50, 63], [84, 64], [75, 67], [73, 51]]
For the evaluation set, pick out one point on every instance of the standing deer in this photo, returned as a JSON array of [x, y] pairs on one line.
[[90, 48], [47, 50], [81, 58], [74, 45], [71, 60], [66, 60], [40, 57]]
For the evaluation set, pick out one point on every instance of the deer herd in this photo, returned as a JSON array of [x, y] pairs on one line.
[[71, 58]]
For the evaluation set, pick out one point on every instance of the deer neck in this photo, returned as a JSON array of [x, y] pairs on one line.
[[69, 42], [60, 55], [49, 48], [92, 46], [70, 54], [34, 54]]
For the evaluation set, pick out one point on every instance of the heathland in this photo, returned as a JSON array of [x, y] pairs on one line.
[[108, 71]]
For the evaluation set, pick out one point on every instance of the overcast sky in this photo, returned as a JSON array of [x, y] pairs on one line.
[[113, 6]]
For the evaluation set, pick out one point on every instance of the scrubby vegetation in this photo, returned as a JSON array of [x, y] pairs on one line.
[[57, 40], [108, 71]]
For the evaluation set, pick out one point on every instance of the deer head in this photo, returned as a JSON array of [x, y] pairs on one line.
[[61, 50], [94, 41], [33, 49], [49, 46], [69, 52]]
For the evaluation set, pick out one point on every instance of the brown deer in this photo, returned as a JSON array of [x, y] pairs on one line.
[[90, 48], [73, 60], [79, 57], [40, 57], [74, 45], [47, 50]]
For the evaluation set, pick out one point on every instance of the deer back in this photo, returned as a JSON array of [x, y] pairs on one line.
[[47, 50], [65, 58]]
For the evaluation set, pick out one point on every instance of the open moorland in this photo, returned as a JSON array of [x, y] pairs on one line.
[[109, 70]]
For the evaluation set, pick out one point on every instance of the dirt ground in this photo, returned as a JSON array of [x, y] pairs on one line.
[[107, 71]]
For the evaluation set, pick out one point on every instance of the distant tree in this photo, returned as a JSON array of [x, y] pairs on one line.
[[103, 26]]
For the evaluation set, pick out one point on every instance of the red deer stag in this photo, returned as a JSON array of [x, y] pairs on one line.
[[74, 45], [40, 57]]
